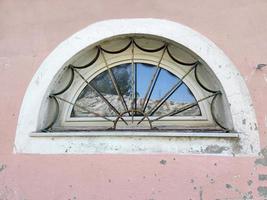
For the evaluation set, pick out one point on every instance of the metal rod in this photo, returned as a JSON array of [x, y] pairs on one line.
[[213, 115], [114, 82], [149, 50], [170, 92], [184, 108], [133, 83], [90, 63], [153, 82], [69, 83], [134, 111], [49, 126], [167, 95], [117, 51], [135, 86], [83, 108], [178, 61], [99, 93], [201, 85]]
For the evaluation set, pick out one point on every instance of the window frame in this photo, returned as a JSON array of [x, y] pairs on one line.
[[29, 140], [120, 59]]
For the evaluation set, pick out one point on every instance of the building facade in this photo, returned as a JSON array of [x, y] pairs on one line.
[[42, 157]]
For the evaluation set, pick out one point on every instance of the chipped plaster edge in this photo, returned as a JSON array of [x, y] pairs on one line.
[[233, 84]]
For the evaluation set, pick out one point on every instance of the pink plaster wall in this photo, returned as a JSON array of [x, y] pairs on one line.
[[29, 30]]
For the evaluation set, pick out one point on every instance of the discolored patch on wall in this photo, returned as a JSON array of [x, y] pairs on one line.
[[262, 190], [215, 149], [163, 162], [250, 182], [228, 186], [2, 167], [263, 177], [242, 195], [262, 161]]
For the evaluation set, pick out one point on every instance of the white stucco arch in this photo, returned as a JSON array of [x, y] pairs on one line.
[[233, 84]]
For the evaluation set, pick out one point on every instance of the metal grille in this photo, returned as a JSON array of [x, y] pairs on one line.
[[132, 110]]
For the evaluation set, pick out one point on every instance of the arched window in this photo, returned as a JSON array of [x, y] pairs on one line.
[[158, 85], [136, 83]]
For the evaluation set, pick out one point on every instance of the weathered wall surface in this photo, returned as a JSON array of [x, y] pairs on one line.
[[30, 30]]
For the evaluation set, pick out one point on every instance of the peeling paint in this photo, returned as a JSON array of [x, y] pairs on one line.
[[228, 186], [247, 196], [262, 161], [265, 77], [163, 162], [236, 147], [2, 167], [251, 147], [242, 195], [262, 191], [212, 181], [255, 127], [263, 177], [250, 182], [6, 193], [215, 149], [200, 194]]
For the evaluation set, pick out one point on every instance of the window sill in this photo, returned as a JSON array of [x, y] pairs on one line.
[[135, 134]]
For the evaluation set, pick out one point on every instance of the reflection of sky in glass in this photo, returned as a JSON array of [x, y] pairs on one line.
[[123, 77], [165, 82]]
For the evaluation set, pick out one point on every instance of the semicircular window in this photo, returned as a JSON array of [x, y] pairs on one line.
[[138, 97], [136, 83]]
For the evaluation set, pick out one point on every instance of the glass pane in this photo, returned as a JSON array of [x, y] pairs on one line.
[[166, 80], [93, 102], [183, 96], [123, 75], [105, 86], [144, 74]]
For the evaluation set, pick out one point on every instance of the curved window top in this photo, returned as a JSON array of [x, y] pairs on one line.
[[135, 87], [168, 94], [211, 84]]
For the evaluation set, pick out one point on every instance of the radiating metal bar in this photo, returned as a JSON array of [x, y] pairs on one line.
[[133, 82], [114, 82], [133, 111], [99, 93], [49, 126], [135, 86], [90, 63], [184, 108], [167, 95], [83, 108], [153, 81]]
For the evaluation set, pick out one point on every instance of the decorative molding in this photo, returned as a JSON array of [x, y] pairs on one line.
[[235, 89]]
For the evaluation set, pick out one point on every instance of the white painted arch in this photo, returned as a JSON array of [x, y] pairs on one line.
[[225, 71]]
